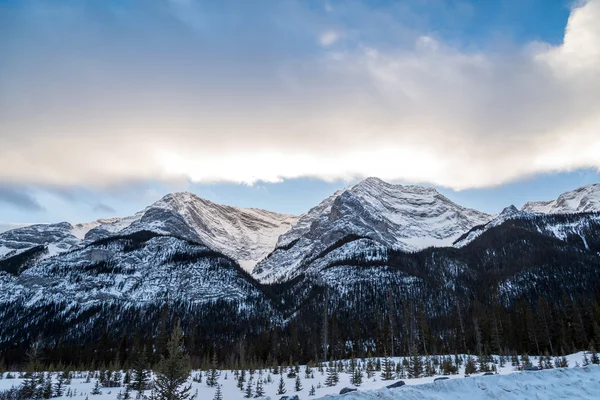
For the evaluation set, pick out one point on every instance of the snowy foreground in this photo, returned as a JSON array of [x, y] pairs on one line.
[[561, 383], [574, 382]]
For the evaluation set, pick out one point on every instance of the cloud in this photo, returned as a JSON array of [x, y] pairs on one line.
[[328, 38], [101, 101], [19, 198], [103, 208]]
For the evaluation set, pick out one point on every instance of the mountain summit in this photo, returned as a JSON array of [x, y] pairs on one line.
[[403, 217]]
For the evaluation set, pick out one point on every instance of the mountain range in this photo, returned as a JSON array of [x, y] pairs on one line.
[[364, 251]]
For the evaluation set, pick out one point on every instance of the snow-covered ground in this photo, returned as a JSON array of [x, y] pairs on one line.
[[560, 383]]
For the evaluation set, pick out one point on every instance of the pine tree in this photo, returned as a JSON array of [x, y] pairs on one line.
[[47, 387], [308, 371], [212, 377], [96, 390], [356, 378], [586, 360], [312, 391], [281, 388], [332, 376], [415, 366], [259, 391], [387, 370], [248, 392], [173, 371], [470, 367], [594, 359], [59, 386], [370, 369], [140, 378], [27, 389], [298, 384], [218, 393]]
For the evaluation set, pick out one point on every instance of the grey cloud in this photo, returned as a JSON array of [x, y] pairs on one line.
[[103, 208], [19, 198]]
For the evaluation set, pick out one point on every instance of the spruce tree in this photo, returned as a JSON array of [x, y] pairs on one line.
[[212, 375], [298, 384], [259, 391], [308, 371], [96, 390], [47, 387], [332, 377], [594, 359], [470, 366], [356, 378], [27, 389], [140, 378], [370, 369], [218, 393], [415, 366], [173, 370], [387, 372], [281, 388], [248, 392], [312, 391], [59, 386]]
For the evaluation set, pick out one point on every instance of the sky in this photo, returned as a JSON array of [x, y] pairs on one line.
[[106, 106]]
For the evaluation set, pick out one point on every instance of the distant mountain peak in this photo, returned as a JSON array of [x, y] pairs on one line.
[[583, 199]]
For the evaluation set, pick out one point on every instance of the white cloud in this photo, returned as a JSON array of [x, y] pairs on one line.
[[431, 113], [328, 38]]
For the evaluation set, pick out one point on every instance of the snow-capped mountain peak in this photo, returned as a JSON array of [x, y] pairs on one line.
[[584, 199], [407, 217]]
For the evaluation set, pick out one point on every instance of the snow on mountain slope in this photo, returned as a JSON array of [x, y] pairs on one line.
[[246, 235], [404, 217], [584, 199], [58, 237]]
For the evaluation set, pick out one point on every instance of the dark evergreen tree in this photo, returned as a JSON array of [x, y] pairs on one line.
[[140, 377], [218, 393], [212, 376], [387, 370], [59, 386], [281, 388], [298, 384], [173, 370], [259, 391], [96, 390]]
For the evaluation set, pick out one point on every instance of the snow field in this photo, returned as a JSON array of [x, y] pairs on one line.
[[562, 383]]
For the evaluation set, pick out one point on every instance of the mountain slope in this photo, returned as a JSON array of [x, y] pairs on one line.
[[246, 235], [584, 199], [409, 218]]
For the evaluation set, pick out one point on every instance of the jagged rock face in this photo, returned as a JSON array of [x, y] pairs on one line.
[[584, 199], [58, 237], [246, 235], [401, 217]]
